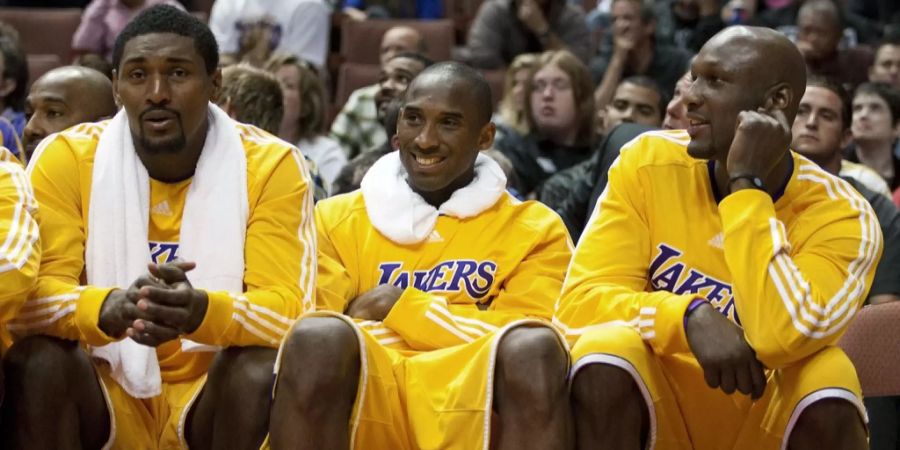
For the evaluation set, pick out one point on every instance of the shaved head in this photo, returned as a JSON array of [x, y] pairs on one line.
[[64, 97], [400, 39], [466, 83]]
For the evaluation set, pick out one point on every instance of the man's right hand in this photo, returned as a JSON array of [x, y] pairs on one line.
[[119, 310], [727, 359], [375, 304]]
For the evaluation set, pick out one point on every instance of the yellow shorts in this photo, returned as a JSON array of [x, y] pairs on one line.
[[685, 413], [149, 423], [440, 399]]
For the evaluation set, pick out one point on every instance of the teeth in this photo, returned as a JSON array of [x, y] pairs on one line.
[[423, 161]]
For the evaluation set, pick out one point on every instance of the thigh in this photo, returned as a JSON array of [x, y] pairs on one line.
[[622, 347], [133, 425], [790, 390]]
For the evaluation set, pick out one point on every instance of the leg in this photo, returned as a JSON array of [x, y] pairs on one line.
[[884, 422], [531, 396], [831, 423], [609, 409], [54, 400], [317, 385], [232, 411]]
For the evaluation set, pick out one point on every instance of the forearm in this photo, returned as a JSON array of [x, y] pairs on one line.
[[256, 318]]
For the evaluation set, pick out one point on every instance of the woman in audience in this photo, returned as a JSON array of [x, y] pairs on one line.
[[510, 116], [559, 110], [304, 118]]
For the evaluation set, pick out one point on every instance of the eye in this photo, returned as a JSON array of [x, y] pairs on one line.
[[412, 118], [136, 74], [620, 105], [179, 72], [53, 114]]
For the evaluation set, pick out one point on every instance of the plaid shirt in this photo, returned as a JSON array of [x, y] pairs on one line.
[[357, 128]]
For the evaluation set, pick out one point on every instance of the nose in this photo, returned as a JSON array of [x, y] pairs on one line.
[[159, 93], [33, 131], [674, 108], [427, 137], [812, 121], [691, 97]]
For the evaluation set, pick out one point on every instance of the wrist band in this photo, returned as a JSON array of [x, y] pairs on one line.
[[694, 304], [753, 179]]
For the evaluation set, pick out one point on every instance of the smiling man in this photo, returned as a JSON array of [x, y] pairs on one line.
[[717, 273], [446, 283], [177, 353], [62, 98]]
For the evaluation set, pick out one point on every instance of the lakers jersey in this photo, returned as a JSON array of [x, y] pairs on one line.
[[791, 270], [279, 249], [20, 249], [468, 278]]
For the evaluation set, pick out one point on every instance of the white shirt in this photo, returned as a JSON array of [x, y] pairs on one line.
[[297, 27]]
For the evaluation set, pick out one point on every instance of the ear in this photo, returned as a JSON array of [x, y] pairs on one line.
[[779, 97], [115, 87], [486, 136], [216, 84], [7, 86], [395, 142]]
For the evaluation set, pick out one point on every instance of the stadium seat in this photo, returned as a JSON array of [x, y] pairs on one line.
[[41, 64], [873, 344], [44, 30], [495, 78], [361, 40], [352, 77]]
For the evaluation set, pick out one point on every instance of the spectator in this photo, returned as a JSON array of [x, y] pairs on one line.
[[62, 98], [897, 197], [687, 24], [253, 30], [876, 114], [357, 128], [637, 100], [305, 114], [504, 29], [254, 96], [351, 175], [819, 25], [875, 10], [14, 84], [636, 53], [676, 111], [858, 30], [510, 116], [886, 67], [103, 20], [560, 114]]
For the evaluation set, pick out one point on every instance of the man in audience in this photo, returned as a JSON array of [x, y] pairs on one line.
[[886, 67], [676, 111], [819, 31], [637, 100], [504, 29], [446, 282], [62, 98], [103, 20], [123, 347], [635, 52], [357, 127], [13, 86], [717, 273], [252, 30], [876, 116]]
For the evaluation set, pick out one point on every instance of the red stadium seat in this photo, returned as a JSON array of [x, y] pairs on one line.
[[361, 40], [873, 344], [495, 78], [41, 64], [352, 77], [44, 30]]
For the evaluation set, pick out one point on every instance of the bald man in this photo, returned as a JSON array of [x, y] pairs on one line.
[[65, 97], [357, 127], [718, 271]]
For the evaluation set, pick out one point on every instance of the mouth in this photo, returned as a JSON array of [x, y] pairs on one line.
[[808, 137], [427, 162], [158, 120], [547, 111], [696, 125]]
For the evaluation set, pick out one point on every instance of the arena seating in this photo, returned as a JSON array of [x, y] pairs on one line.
[[873, 344]]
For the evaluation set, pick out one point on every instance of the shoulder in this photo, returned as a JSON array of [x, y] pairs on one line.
[[657, 148], [531, 216], [333, 212], [265, 152], [820, 196], [79, 142]]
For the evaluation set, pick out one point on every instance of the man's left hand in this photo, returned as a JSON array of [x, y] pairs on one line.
[[171, 312], [760, 140]]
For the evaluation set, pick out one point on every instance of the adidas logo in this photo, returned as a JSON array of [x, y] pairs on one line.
[[718, 241], [161, 209], [435, 237]]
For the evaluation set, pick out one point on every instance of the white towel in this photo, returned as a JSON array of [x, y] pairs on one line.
[[213, 230], [403, 216]]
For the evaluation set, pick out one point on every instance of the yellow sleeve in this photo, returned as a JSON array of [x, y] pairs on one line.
[[427, 322], [796, 298], [280, 265], [20, 246], [335, 285], [59, 305], [607, 280]]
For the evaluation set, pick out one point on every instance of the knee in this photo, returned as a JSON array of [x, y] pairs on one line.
[[323, 351], [44, 361], [829, 419], [532, 363], [604, 386], [243, 369]]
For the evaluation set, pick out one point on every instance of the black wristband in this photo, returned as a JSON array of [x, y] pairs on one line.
[[754, 180]]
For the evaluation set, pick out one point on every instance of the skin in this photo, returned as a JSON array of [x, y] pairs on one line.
[[439, 134], [632, 47], [399, 40], [393, 81], [746, 90], [62, 98], [676, 112], [874, 132], [553, 106], [886, 67], [633, 104], [162, 76], [819, 132], [520, 79], [819, 31]]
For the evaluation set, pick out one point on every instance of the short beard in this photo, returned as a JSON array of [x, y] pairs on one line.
[[173, 145]]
